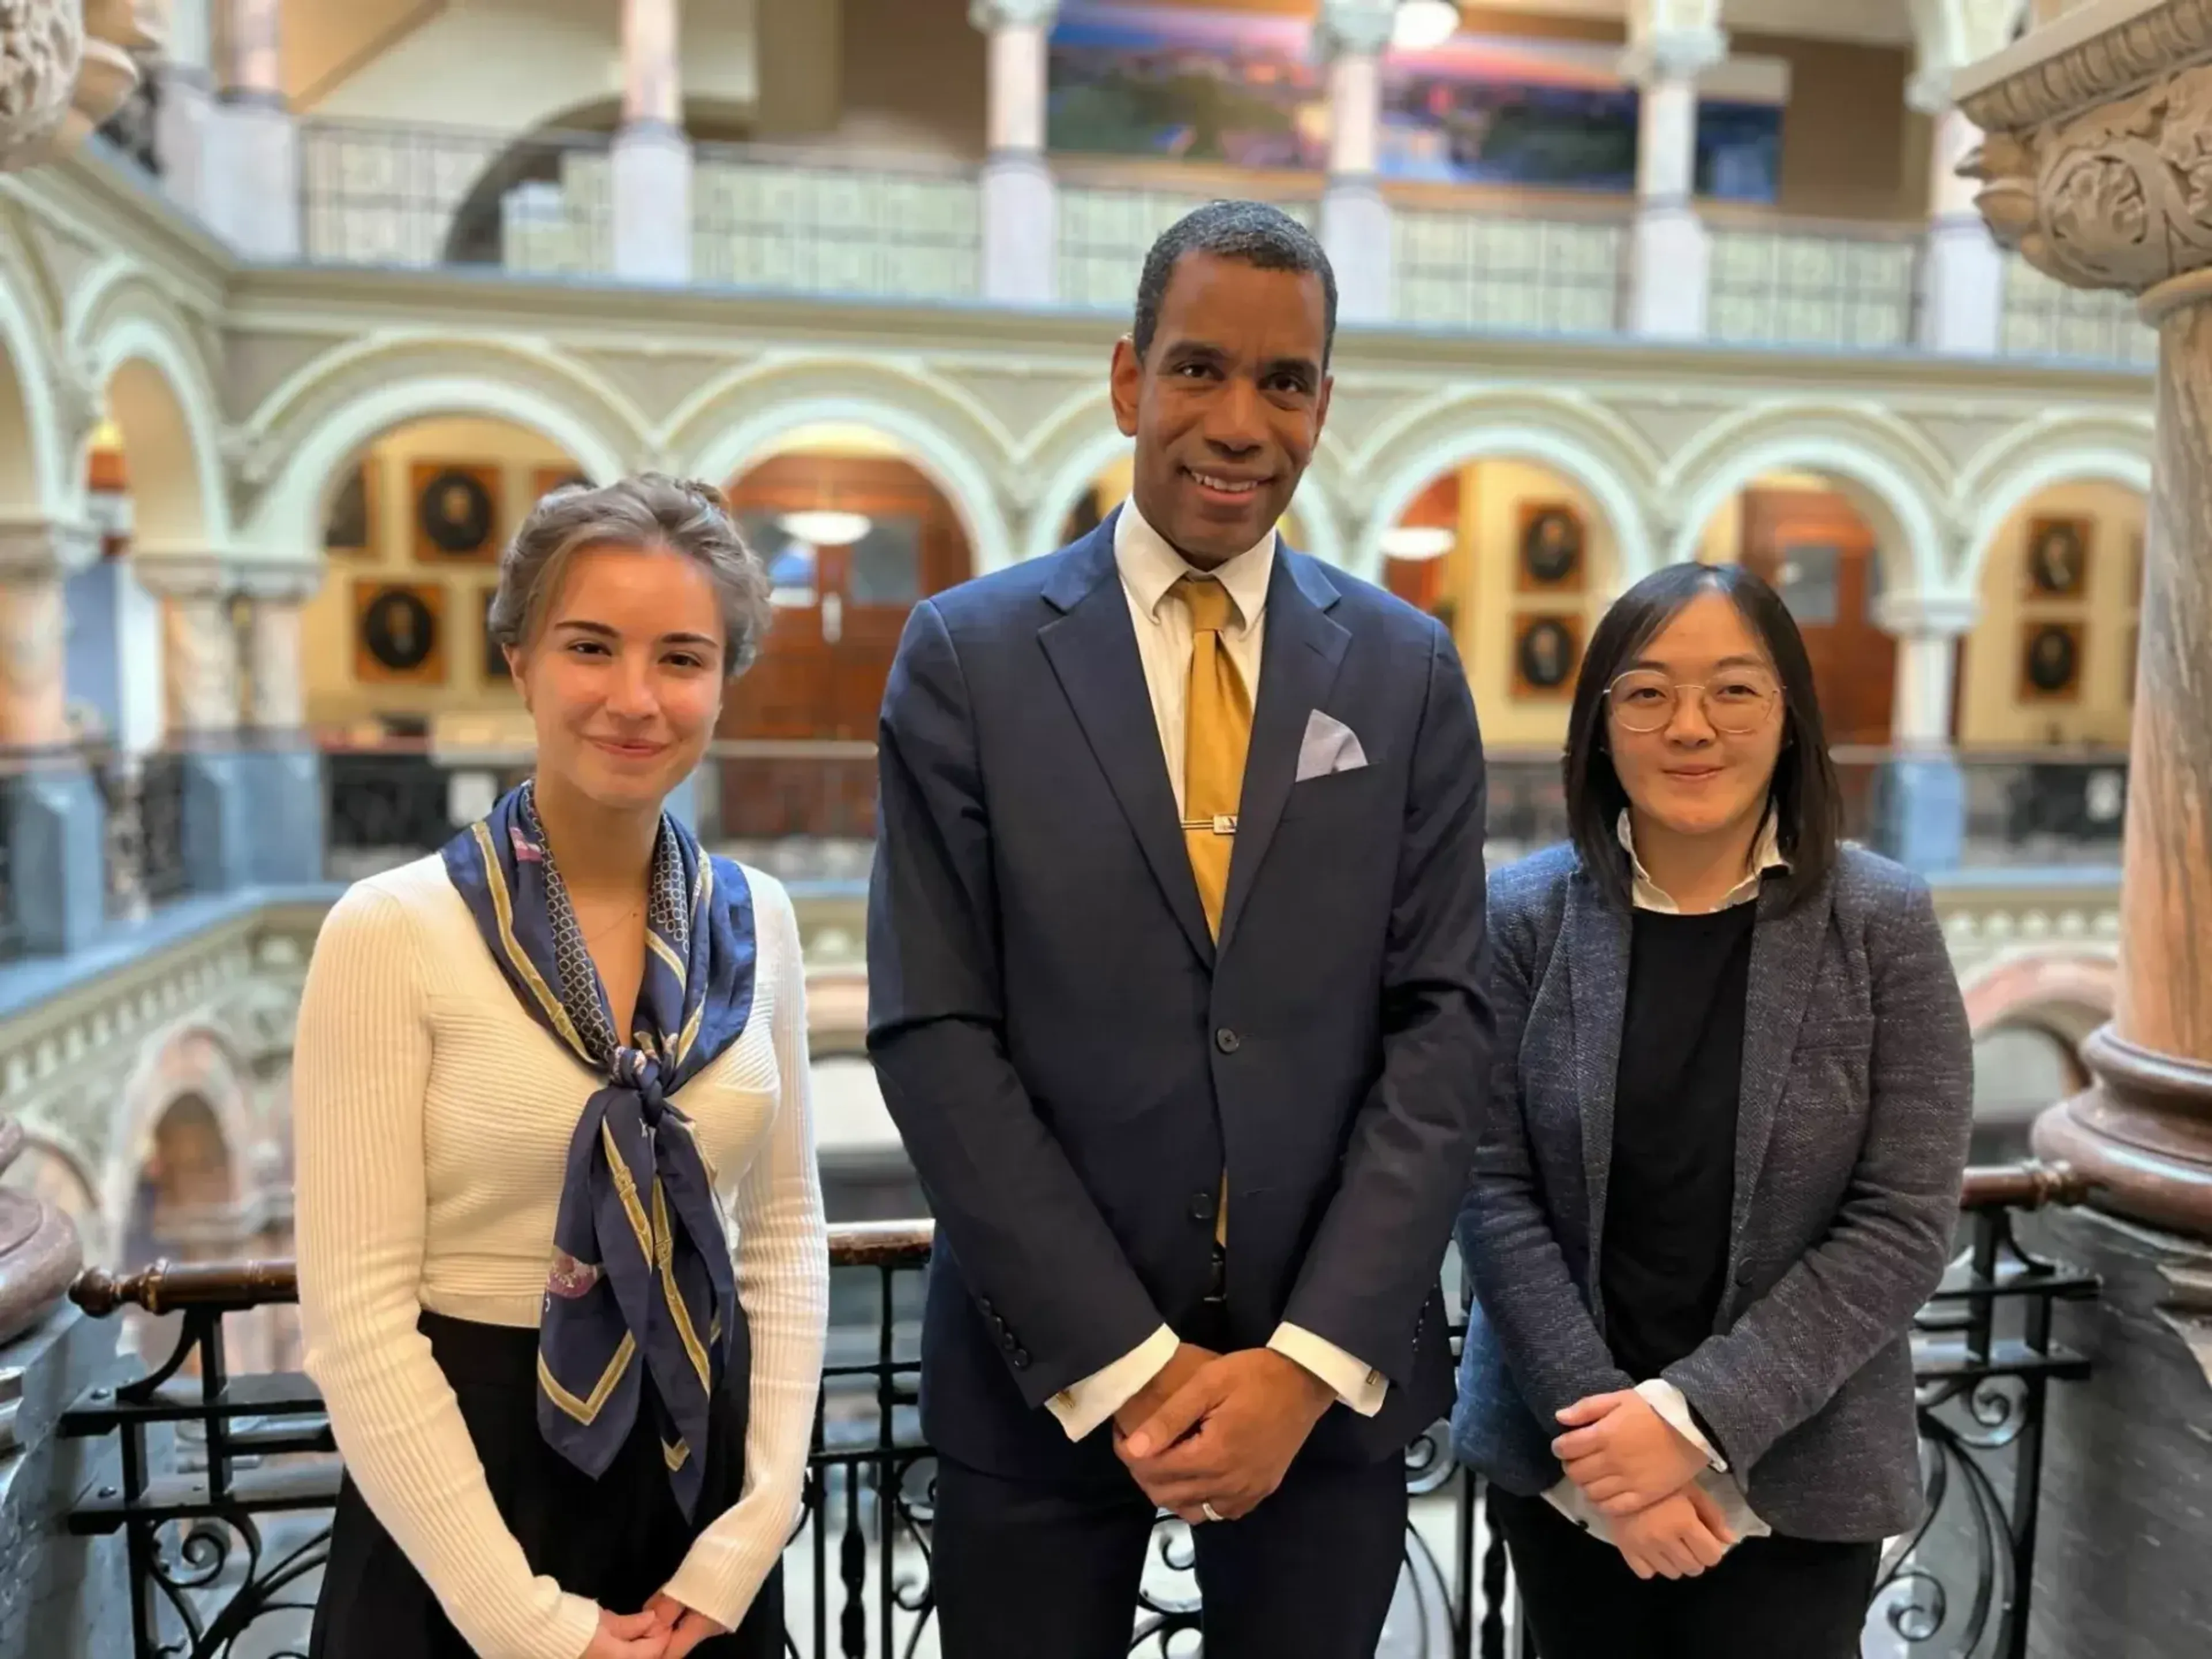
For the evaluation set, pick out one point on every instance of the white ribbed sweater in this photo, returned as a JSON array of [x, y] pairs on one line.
[[432, 1117]]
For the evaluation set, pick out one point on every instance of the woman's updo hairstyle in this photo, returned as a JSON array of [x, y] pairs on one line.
[[645, 511]]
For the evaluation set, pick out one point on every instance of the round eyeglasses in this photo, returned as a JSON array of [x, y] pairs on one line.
[[1736, 703]]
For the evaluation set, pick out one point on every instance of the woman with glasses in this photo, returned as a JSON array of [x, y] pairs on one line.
[[1728, 1109]]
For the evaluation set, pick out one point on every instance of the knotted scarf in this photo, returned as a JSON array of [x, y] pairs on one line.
[[641, 1283]]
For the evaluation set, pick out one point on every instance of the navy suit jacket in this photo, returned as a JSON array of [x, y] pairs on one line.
[[1072, 1060]]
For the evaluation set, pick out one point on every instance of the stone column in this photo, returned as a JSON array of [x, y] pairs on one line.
[[52, 817], [1922, 815], [249, 189], [200, 659], [2093, 169], [1021, 247], [1962, 269], [1355, 220], [651, 158], [1667, 299], [284, 766], [185, 81]]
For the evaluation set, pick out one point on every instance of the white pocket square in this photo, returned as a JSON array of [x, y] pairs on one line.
[[1330, 746]]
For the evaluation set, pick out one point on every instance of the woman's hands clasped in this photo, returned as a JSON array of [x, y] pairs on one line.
[[1642, 1473], [665, 1630]]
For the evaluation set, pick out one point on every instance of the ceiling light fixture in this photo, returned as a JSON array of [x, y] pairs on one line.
[[1421, 24], [822, 528], [1419, 541]]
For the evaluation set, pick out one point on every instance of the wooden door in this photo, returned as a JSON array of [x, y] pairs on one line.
[[1820, 555], [839, 610]]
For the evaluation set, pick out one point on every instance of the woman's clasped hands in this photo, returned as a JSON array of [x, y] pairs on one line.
[[665, 1630], [1642, 1474]]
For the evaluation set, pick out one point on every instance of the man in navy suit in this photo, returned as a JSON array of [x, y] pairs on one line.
[[1174, 943]]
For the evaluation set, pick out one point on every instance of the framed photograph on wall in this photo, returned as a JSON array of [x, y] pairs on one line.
[[495, 659], [399, 633], [1549, 548], [456, 508], [1547, 650], [350, 522], [2057, 558], [2049, 662]]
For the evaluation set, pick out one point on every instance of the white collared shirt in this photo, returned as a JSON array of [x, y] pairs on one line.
[[1662, 1396], [1149, 568]]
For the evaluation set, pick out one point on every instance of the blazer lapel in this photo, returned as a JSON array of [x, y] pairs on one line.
[[1092, 647], [1785, 949], [1597, 971], [1304, 648]]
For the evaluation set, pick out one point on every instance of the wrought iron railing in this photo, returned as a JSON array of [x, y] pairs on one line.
[[161, 794], [230, 1537], [381, 193], [795, 222]]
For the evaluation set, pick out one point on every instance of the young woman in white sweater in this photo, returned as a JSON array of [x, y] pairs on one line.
[[564, 1289]]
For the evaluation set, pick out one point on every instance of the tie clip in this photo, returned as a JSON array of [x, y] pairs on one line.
[[1221, 823]]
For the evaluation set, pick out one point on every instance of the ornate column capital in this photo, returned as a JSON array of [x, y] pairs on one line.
[[1927, 616], [41, 549], [991, 15], [1352, 28], [186, 575], [277, 584], [2093, 176], [1672, 54]]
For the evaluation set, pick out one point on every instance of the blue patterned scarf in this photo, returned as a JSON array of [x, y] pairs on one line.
[[640, 1264]]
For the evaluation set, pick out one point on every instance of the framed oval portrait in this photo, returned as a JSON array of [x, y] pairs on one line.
[[1551, 546], [399, 632], [2057, 558], [2050, 661], [1545, 652], [456, 511]]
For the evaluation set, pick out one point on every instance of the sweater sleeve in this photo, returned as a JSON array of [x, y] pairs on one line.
[[782, 1262], [361, 1068]]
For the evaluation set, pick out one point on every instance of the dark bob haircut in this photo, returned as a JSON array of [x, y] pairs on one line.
[[1250, 233], [1804, 798]]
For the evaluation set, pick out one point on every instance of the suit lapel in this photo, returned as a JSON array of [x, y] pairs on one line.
[[1785, 949], [1092, 647], [1597, 971], [1304, 648]]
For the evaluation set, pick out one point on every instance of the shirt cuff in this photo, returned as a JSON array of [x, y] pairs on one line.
[[1674, 1409], [1357, 1384], [1082, 1407]]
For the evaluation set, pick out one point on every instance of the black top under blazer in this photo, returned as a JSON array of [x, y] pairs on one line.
[[1851, 1142]]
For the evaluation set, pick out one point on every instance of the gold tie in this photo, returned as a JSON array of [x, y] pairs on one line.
[[1217, 733]]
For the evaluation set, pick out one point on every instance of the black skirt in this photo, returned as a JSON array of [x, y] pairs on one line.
[[616, 1540]]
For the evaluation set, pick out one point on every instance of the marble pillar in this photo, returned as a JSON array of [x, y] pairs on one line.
[[1021, 217], [2096, 129], [281, 763], [1355, 220], [201, 661], [1921, 815], [249, 192], [651, 157], [1672, 252], [51, 814]]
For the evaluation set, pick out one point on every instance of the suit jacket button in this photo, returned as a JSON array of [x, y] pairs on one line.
[[1743, 1277], [1227, 1041], [1021, 1359], [984, 1302], [1202, 1207]]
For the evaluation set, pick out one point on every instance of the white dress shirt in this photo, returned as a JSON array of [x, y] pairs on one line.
[[1150, 568], [1662, 1396]]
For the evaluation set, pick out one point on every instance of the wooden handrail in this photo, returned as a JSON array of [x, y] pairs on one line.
[[170, 1287]]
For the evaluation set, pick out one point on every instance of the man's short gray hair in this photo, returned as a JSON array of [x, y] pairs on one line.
[[644, 511]]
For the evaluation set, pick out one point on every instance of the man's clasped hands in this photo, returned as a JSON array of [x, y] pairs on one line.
[[1219, 1431]]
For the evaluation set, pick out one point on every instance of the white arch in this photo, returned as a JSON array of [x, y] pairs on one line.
[[192, 1057], [1562, 451], [195, 518], [286, 522], [23, 337], [1909, 533], [1999, 497], [961, 475]]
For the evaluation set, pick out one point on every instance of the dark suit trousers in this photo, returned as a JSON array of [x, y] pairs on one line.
[[1768, 1597], [1023, 1569]]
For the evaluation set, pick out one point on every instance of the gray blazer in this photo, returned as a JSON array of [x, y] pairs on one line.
[[1851, 1136]]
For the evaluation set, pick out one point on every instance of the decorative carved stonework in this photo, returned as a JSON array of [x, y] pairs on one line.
[[39, 1250]]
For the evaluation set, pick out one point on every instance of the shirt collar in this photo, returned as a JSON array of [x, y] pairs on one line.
[[1149, 568], [1765, 854]]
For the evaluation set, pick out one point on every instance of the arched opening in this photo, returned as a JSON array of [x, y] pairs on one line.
[[855, 534], [22, 493], [2020, 1068], [1518, 560], [183, 1208]]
